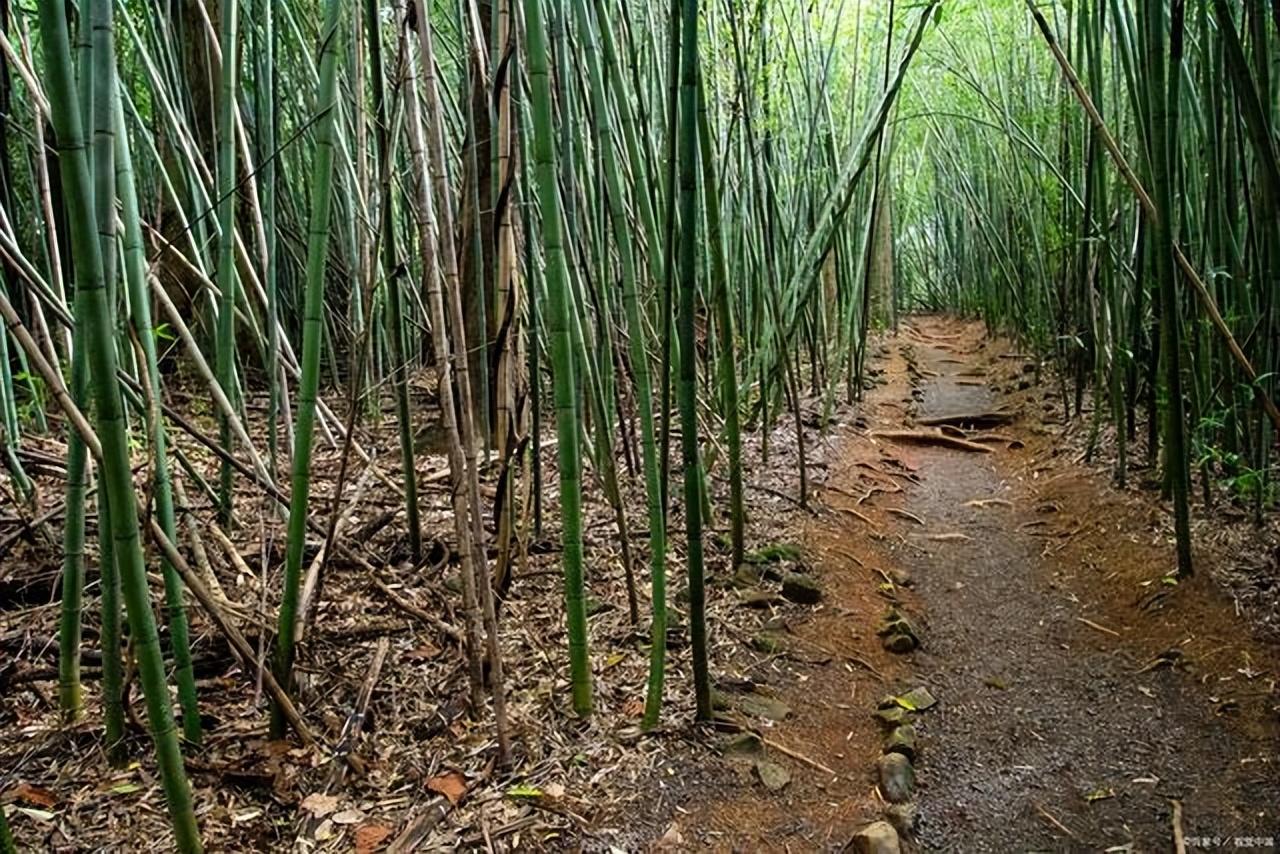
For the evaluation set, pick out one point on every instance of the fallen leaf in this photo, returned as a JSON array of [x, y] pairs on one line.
[[524, 790], [370, 836], [426, 652], [553, 790], [38, 815], [670, 840], [319, 804], [37, 796], [325, 831], [1099, 795], [351, 816], [451, 784], [633, 708]]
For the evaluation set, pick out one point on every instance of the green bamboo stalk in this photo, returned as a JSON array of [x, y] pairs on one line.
[[7, 845], [227, 279], [117, 476], [70, 690], [267, 122], [726, 358], [110, 636], [1162, 89], [101, 75], [135, 267], [640, 366], [688, 385], [308, 387], [559, 317]]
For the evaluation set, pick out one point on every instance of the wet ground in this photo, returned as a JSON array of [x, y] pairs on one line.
[[1051, 736], [1080, 694]]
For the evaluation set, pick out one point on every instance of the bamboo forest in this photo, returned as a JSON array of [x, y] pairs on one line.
[[626, 426]]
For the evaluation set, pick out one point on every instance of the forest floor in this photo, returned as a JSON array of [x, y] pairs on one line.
[[1077, 692]]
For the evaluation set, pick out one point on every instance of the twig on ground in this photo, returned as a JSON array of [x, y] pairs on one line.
[[1091, 624], [1053, 821]]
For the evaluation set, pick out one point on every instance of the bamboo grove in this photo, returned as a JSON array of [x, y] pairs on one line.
[[596, 226], [1100, 179]]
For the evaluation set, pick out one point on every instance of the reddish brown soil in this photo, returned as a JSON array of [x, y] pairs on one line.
[[1051, 733]]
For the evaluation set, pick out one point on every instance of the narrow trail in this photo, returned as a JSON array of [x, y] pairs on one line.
[[1051, 735], [1045, 626]]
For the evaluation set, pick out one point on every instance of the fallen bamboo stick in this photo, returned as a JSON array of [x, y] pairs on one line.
[[915, 437]]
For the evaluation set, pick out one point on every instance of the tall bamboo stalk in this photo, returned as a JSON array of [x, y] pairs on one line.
[[559, 330], [96, 318], [312, 326], [688, 391], [227, 279]]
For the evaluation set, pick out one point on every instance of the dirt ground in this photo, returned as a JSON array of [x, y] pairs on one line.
[[1079, 693]]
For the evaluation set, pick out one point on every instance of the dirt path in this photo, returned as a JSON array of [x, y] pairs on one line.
[[1046, 625], [1050, 734]]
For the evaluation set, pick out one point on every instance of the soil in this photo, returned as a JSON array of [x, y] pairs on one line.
[[1055, 733], [1080, 692]]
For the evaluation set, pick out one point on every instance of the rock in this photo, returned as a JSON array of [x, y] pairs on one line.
[[897, 777], [761, 706], [897, 632], [900, 643], [900, 627], [744, 746], [876, 838], [769, 643], [891, 717], [775, 553], [774, 777], [917, 699], [746, 577], [903, 817], [760, 599], [801, 589], [902, 740], [453, 583]]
